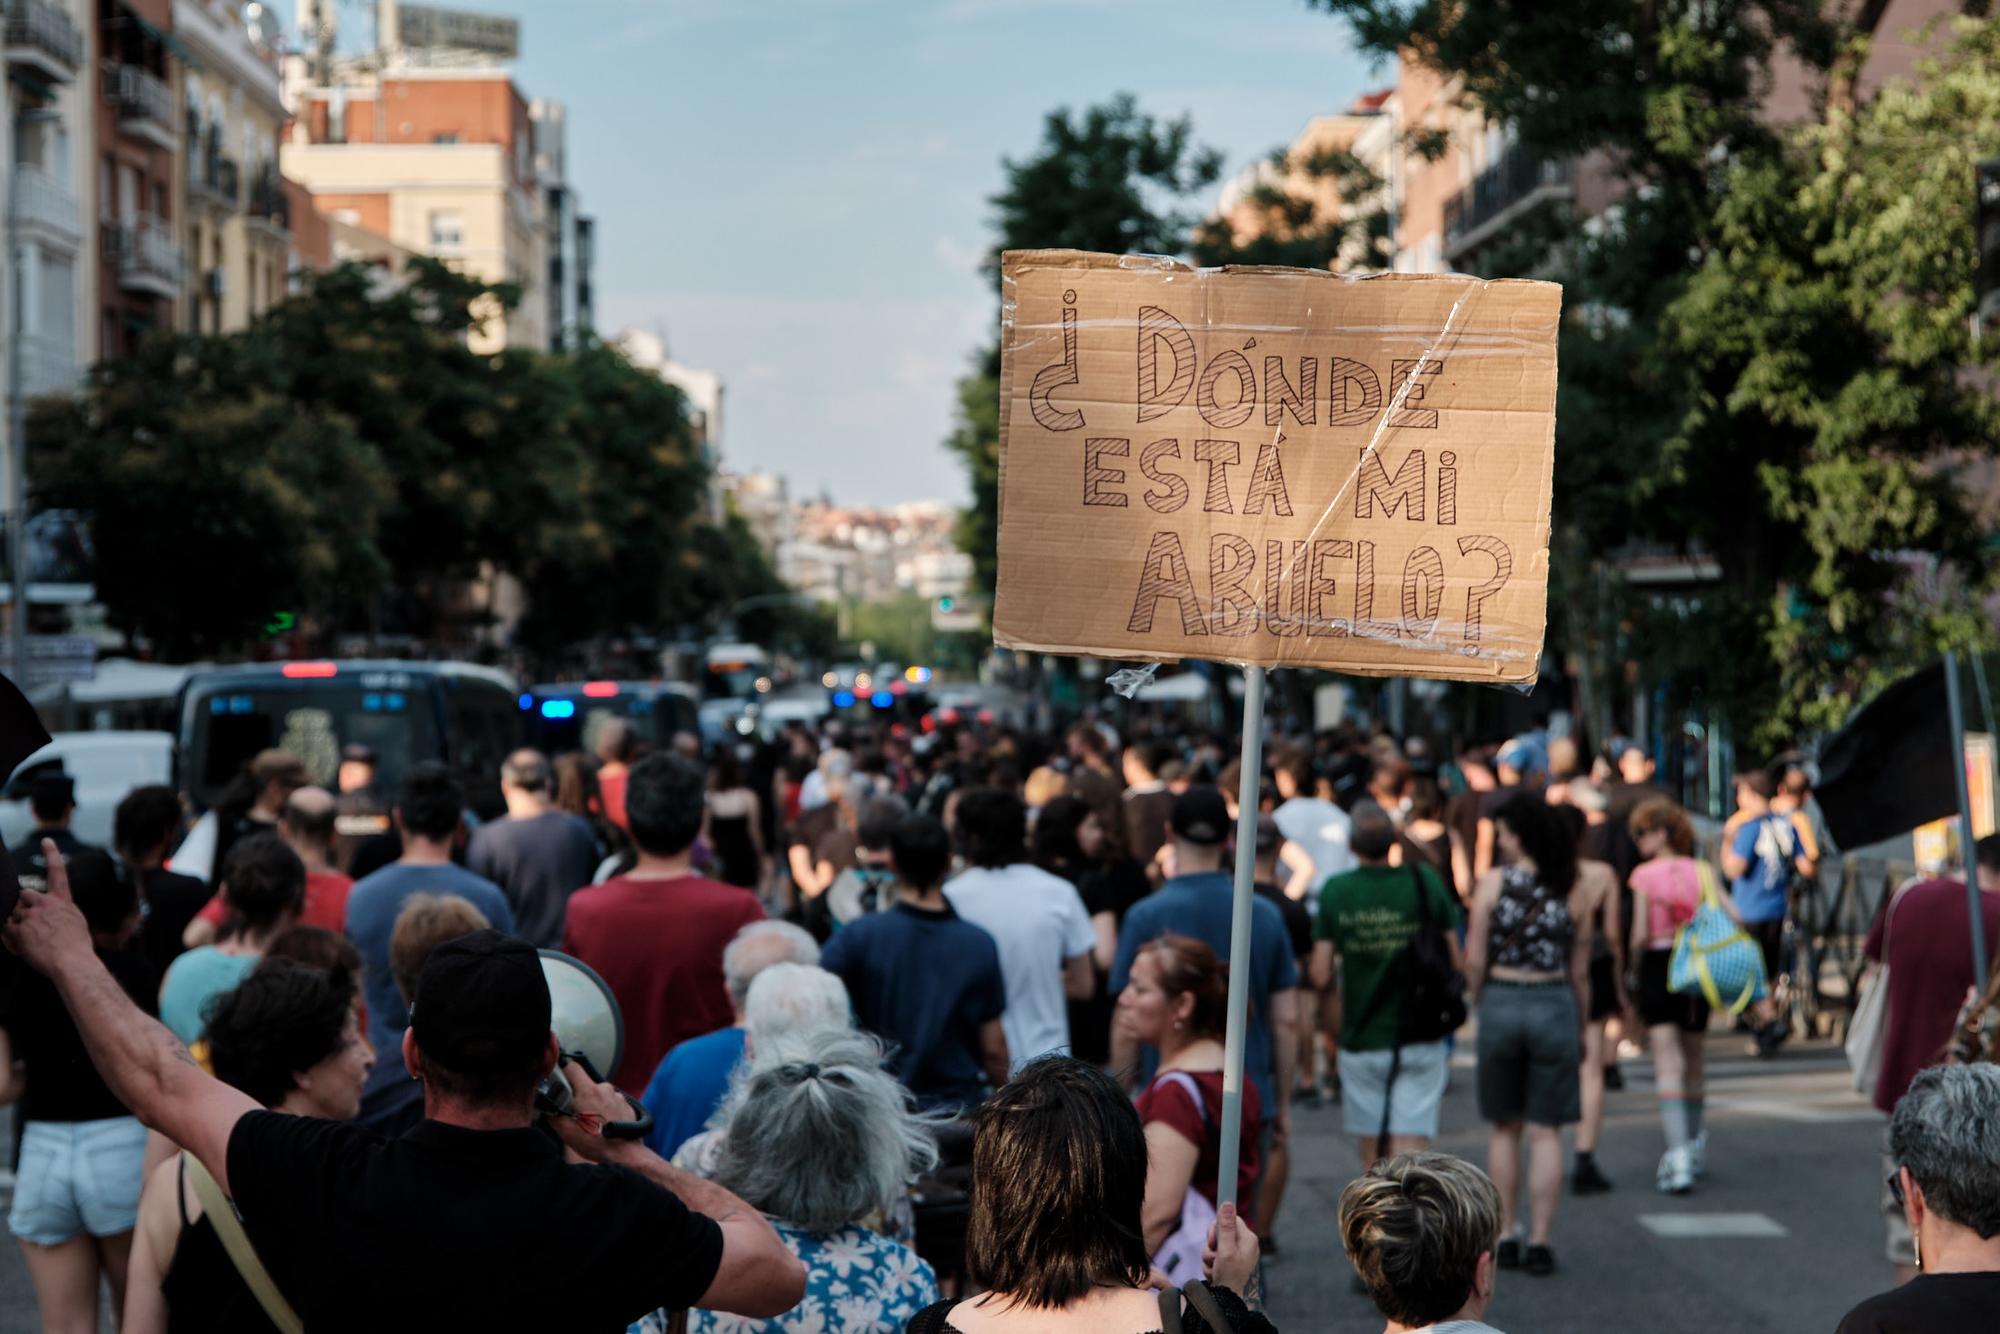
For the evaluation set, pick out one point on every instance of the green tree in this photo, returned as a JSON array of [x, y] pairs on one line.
[[1110, 178], [1764, 354]]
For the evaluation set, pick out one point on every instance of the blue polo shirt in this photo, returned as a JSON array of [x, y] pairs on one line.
[[1201, 906], [924, 980]]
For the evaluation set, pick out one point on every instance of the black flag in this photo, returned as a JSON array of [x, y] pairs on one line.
[[1890, 769], [21, 735]]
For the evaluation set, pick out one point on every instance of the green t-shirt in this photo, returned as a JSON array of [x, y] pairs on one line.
[[1369, 914]]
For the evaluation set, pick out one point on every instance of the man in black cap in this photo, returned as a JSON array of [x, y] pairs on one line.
[[52, 799], [1199, 902], [471, 1220]]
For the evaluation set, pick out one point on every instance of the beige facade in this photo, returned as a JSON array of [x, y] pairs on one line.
[[448, 171], [233, 217], [51, 104]]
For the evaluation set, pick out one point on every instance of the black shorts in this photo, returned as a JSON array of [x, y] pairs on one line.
[[1770, 938], [1603, 988], [1657, 1005]]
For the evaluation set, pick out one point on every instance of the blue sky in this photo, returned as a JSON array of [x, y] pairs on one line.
[[795, 190]]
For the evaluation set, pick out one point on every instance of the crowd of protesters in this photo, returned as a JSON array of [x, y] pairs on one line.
[[929, 1024]]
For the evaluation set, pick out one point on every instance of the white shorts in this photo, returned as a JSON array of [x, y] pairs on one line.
[[1419, 1089]]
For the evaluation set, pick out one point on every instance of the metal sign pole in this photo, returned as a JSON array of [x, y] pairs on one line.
[[1965, 842], [1239, 934]]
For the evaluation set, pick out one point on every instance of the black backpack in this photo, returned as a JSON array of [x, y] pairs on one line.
[[1434, 996]]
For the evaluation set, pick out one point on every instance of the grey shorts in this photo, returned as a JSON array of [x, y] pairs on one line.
[[1530, 1054], [1413, 1100]]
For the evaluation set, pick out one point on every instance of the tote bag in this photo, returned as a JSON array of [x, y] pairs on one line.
[[1714, 956], [1179, 1256]]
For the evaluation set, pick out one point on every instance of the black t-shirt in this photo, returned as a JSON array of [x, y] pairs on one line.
[[1931, 1304], [448, 1228], [167, 903], [1114, 888], [1298, 918], [29, 863], [62, 1084]]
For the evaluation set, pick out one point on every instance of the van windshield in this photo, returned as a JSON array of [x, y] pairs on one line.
[[229, 724]]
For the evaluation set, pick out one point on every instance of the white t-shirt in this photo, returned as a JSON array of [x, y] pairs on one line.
[[1038, 922], [1320, 830]]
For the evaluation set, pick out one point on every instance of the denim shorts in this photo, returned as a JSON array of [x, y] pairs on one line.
[[1530, 1054], [77, 1177]]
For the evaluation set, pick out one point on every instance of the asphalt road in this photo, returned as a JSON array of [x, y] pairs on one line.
[[1781, 1237]]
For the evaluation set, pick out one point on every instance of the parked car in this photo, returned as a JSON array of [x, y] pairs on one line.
[[104, 766]]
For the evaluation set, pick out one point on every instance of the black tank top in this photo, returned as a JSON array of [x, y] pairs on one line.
[[1532, 930], [205, 1294]]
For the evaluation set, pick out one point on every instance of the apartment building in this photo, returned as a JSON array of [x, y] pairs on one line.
[[141, 272], [567, 232], [50, 100], [441, 162], [234, 226]]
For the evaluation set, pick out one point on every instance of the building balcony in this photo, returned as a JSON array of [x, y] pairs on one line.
[[1512, 187], [216, 180], [48, 366], [149, 259], [42, 39], [268, 207], [43, 208], [145, 106]]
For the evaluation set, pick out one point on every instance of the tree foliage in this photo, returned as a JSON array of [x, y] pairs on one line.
[[1110, 178], [351, 460], [1765, 358]]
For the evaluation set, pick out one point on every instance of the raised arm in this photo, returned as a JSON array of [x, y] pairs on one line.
[[758, 1276], [142, 1063]]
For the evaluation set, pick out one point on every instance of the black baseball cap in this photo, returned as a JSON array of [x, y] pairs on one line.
[[1201, 816], [482, 1004]]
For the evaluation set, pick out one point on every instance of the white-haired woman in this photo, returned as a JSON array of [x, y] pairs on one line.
[[1944, 1140], [821, 1139]]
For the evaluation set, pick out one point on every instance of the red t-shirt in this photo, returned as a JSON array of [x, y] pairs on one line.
[[611, 791], [1166, 1100], [658, 945], [326, 902], [1930, 970]]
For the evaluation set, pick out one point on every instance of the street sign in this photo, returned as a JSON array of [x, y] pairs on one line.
[[959, 613], [54, 658]]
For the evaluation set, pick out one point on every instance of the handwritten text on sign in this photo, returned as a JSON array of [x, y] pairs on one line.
[[1275, 466]]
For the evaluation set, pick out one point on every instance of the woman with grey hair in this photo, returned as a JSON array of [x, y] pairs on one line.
[[820, 1138], [1945, 1141]]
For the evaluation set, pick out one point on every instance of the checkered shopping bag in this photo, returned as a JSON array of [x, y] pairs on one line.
[[1715, 956]]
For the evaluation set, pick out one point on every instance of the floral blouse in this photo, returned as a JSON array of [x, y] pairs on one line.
[[857, 1282]]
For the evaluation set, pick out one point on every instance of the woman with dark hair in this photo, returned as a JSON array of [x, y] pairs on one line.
[[1073, 840], [576, 793], [1176, 1001], [1527, 964], [1425, 834], [290, 1036], [1070, 1253], [732, 824]]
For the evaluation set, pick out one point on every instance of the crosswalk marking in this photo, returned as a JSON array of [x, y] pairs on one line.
[[1701, 1226]]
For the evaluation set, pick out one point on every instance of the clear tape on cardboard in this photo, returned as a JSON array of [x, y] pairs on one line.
[[1464, 639]]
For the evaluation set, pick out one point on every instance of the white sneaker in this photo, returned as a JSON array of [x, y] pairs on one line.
[[1698, 1155], [1676, 1174]]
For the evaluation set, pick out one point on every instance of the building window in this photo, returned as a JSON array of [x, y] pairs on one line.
[[447, 138], [447, 231]]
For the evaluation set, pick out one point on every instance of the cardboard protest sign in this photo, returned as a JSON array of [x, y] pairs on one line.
[[1275, 467]]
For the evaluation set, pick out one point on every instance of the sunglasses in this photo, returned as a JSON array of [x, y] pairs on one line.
[[1895, 1184]]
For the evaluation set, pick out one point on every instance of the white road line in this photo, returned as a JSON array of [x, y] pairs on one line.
[[1796, 1110], [1702, 1226]]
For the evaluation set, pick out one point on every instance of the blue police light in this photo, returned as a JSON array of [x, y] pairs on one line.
[[558, 708], [882, 699], [843, 699], [527, 701]]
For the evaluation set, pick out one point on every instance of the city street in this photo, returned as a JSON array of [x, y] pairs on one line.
[[1781, 1237]]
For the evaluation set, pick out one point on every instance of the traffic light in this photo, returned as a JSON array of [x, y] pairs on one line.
[[946, 603]]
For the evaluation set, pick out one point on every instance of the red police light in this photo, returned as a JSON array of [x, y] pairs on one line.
[[600, 689], [311, 670]]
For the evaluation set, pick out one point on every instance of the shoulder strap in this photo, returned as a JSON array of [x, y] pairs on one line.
[[222, 1217], [1204, 1304], [1181, 1079], [1170, 1311]]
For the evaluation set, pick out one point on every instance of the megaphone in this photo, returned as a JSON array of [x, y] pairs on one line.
[[590, 1029]]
